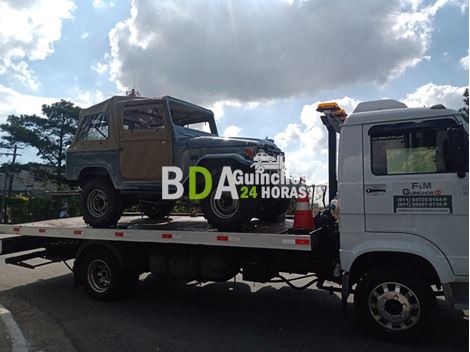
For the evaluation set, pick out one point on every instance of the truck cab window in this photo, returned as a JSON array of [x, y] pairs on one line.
[[144, 118], [410, 149], [94, 128]]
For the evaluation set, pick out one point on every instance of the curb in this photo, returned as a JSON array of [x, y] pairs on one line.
[[17, 340]]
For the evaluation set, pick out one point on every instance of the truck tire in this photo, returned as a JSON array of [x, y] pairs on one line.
[[103, 278], [100, 203], [227, 214], [395, 304], [270, 209], [157, 210]]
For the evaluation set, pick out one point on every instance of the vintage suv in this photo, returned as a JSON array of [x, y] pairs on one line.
[[122, 143]]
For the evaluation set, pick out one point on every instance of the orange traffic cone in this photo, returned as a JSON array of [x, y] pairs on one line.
[[303, 217]]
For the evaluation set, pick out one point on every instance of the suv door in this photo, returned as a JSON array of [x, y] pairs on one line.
[[410, 186], [146, 142]]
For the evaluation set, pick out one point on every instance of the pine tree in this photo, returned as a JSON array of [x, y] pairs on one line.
[[49, 135], [465, 108]]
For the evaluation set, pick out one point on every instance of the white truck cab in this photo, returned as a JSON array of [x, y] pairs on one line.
[[403, 206]]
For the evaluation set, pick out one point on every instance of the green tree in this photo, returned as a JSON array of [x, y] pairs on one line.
[[49, 135], [465, 108]]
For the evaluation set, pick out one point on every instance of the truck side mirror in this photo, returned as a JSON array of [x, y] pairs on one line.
[[458, 151]]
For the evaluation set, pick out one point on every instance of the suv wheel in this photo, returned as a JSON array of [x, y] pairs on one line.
[[100, 203], [226, 213], [394, 303]]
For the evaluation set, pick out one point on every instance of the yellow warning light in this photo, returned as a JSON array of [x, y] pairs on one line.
[[340, 114], [330, 106]]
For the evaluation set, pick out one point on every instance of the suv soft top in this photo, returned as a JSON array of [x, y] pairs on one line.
[[109, 104]]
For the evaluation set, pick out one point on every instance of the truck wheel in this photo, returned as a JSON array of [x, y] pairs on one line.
[[103, 278], [393, 303], [226, 213], [157, 210], [270, 209], [100, 203]]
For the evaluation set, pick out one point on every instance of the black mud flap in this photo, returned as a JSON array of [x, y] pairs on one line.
[[345, 291]]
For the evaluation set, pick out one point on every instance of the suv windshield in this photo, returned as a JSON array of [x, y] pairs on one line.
[[188, 117]]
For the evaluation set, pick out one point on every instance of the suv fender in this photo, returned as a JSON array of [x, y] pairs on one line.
[[233, 160], [100, 170]]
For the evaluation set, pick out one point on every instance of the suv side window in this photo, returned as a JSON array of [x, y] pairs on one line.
[[94, 128], [411, 148], [144, 118]]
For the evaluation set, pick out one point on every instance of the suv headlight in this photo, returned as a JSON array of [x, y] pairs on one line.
[[250, 152]]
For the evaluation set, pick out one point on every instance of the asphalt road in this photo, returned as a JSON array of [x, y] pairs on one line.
[[162, 316]]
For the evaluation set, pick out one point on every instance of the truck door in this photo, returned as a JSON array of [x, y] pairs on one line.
[[410, 187], [146, 143]]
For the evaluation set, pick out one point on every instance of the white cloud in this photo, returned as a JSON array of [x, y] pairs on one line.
[[464, 62], [306, 142], [218, 108], [100, 67], [27, 33], [252, 51], [87, 98], [232, 131], [101, 4], [97, 4], [432, 94], [23, 74], [85, 35], [13, 102], [310, 165], [292, 134]]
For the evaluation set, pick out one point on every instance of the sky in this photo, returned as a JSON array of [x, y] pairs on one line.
[[261, 66]]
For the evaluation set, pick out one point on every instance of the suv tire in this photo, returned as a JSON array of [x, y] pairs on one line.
[[100, 203], [227, 214]]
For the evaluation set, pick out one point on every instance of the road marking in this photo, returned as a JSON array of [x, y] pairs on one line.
[[18, 342]]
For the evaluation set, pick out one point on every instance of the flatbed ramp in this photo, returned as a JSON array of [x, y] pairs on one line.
[[175, 229]]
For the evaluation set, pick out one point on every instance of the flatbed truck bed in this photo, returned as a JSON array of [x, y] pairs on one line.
[[175, 229], [182, 247], [173, 246]]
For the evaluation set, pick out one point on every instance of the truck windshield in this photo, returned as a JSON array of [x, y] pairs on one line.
[[411, 148]]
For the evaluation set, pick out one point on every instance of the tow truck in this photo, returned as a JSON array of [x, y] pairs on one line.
[[395, 235]]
